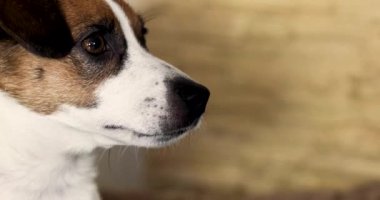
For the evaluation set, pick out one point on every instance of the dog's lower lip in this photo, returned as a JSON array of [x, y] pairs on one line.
[[138, 134], [163, 135]]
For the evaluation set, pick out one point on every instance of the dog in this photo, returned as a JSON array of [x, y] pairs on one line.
[[76, 75]]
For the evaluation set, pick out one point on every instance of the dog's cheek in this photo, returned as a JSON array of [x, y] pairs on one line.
[[43, 85]]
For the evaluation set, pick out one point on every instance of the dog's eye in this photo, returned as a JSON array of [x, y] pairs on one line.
[[94, 44]]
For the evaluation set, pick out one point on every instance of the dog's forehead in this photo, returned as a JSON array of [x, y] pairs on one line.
[[80, 14]]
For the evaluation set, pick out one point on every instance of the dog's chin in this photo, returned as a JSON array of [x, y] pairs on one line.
[[157, 139], [163, 139]]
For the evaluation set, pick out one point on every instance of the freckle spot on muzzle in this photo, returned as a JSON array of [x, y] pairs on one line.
[[149, 99]]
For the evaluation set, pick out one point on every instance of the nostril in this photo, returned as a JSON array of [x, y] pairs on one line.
[[191, 96], [188, 94]]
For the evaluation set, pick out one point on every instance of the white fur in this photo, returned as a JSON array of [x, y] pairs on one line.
[[41, 159], [50, 157]]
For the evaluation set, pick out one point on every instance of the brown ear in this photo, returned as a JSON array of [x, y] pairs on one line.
[[38, 25]]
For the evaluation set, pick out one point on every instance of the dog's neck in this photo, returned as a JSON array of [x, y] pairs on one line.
[[41, 159]]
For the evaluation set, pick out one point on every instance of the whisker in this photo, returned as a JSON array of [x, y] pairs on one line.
[[152, 14], [101, 155], [109, 159], [125, 148]]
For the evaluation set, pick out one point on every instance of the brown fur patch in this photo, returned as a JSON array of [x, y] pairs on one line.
[[134, 18], [81, 13], [60, 84], [44, 84]]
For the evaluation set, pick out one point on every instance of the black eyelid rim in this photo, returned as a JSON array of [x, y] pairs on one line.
[[93, 30], [103, 26]]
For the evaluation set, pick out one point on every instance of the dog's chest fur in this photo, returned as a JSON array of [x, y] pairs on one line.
[[43, 165]]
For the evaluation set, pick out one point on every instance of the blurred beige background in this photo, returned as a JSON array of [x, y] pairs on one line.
[[295, 100]]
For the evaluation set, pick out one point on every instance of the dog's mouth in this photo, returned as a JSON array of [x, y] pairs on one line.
[[158, 137], [165, 137]]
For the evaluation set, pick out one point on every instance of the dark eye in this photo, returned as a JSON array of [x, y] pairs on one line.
[[94, 44]]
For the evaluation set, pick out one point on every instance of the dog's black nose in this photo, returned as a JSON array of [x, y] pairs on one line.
[[194, 95]]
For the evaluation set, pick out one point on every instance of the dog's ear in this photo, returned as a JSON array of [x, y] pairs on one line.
[[38, 25]]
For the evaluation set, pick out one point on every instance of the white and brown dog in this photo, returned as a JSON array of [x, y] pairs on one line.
[[76, 75]]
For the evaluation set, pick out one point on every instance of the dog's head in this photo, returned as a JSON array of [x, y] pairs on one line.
[[85, 65]]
